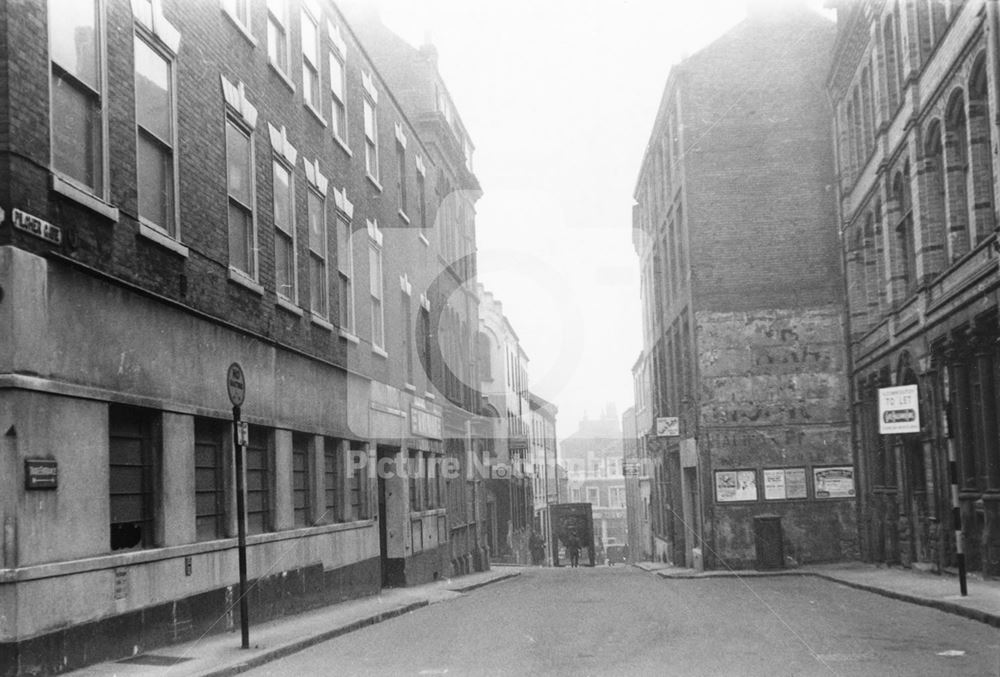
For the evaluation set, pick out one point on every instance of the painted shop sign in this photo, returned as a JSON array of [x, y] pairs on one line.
[[898, 410], [35, 226], [41, 473], [425, 423], [668, 426], [784, 483], [834, 482], [735, 485]]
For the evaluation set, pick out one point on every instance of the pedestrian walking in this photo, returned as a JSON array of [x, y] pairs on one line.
[[574, 554]]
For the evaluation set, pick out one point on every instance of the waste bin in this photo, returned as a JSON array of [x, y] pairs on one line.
[[768, 540]]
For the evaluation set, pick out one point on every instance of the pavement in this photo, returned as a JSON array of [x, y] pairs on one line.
[[220, 655], [938, 591]]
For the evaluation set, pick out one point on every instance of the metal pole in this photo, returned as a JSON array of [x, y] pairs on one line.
[[956, 511], [241, 529]]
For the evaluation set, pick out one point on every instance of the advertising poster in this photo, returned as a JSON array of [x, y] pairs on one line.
[[725, 486], [795, 483], [774, 484], [834, 482], [747, 485]]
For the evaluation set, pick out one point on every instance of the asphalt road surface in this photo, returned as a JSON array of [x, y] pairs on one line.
[[623, 621]]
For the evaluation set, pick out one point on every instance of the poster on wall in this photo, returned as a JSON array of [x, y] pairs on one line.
[[795, 483], [834, 482], [774, 484], [735, 485]]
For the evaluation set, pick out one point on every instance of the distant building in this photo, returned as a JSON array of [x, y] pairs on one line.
[[639, 536], [593, 459], [544, 462], [915, 90], [743, 333]]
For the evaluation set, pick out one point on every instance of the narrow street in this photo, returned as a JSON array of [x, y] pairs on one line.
[[620, 620]]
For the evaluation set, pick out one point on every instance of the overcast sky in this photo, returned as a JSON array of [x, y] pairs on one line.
[[559, 97]]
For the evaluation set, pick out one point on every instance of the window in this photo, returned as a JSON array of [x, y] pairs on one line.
[[318, 283], [258, 481], [209, 493], [426, 339], [375, 285], [617, 497], [371, 139], [413, 476], [359, 494], [284, 232], [277, 34], [331, 479], [345, 270], [338, 106], [132, 457], [240, 179], [77, 105], [905, 246], [401, 176], [422, 198], [155, 136], [301, 480], [593, 496], [310, 62], [239, 11]]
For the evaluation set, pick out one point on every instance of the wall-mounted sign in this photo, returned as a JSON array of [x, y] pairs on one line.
[[668, 426], [630, 469], [735, 485], [37, 227], [784, 483], [774, 484], [121, 584], [41, 473], [898, 410], [425, 423], [834, 482]]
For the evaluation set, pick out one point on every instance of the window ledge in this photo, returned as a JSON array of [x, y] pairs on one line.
[[423, 238], [374, 181], [320, 321], [289, 306], [315, 113], [242, 279], [402, 215], [348, 336], [380, 352], [159, 237], [429, 395], [281, 74], [92, 202], [409, 386], [343, 145], [244, 30]]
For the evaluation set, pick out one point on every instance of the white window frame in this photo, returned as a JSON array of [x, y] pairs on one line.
[[370, 107], [63, 182], [376, 286], [278, 25], [288, 230], [317, 188], [239, 13], [345, 274], [156, 39], [311, 72], [338, 101], [242, 115]]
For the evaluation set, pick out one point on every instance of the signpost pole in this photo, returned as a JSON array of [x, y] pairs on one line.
[[236, 386], [956, 509]]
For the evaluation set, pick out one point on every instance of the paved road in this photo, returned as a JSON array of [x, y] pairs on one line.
[[622, 621]]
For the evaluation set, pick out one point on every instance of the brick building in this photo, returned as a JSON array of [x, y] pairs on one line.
[[743, 336], [186, 185], [638, 486], [914, 86], [544, 459]]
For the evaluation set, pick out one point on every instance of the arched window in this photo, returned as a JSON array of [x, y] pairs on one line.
[[904, 259], [857, 284], [932, 215], [880, 259], [869, 115], [924, 28], [956, 158], [891, 48], [872, 268], [979, 152]]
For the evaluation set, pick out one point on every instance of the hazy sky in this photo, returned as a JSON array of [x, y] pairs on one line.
[[559, 98]]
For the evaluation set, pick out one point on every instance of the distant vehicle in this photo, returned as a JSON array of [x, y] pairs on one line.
[[573, 522]]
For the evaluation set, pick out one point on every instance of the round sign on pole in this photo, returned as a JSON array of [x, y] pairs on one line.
[[236, 384]]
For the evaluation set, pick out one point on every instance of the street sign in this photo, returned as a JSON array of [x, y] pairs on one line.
[[898, 410], [668, 426], [236, 384], [242, 433]]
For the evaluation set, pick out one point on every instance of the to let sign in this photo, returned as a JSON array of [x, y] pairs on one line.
[[898, 410], [41, 473]]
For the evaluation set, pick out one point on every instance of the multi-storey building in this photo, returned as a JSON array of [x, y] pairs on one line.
[[593, 458], [914, 87], [743, 337], [504, 373], [544, 461], [635, 464], [187, 185]]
